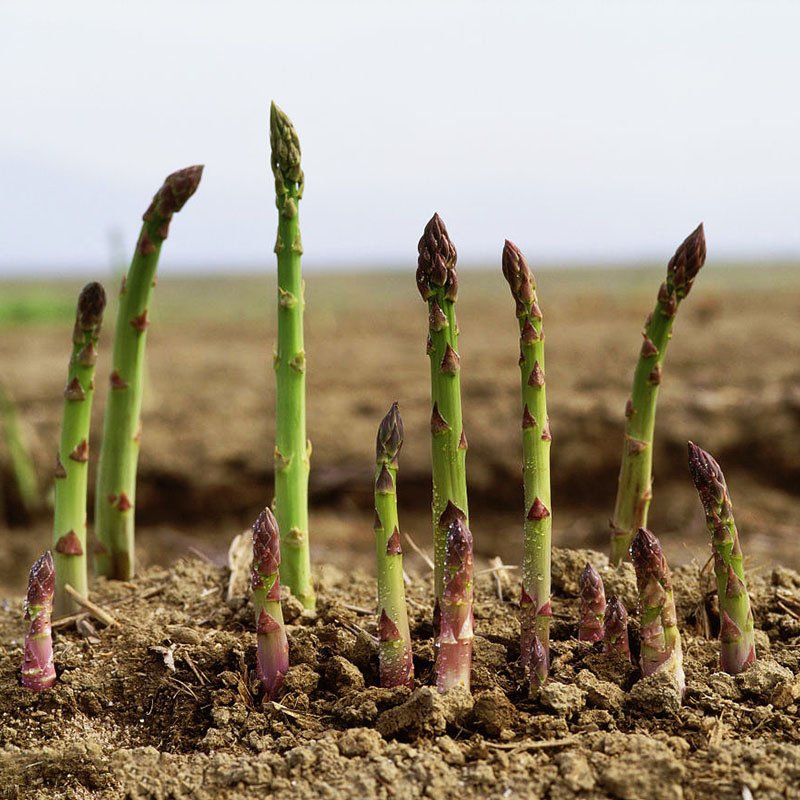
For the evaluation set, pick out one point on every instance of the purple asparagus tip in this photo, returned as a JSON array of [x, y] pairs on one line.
[[593, 605], [38, 670], [615, 628], [687, 261], [539, 666], [390, 436], [437, 260]]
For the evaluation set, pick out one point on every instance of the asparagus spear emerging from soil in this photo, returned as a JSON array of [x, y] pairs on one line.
[[661, 641], [396, 663], [292, 449], [273, 647], [72, 460], [615, 628], [438, 284], [539, 661], [454, 661], [535, 600], [737, 648], [119, 454], [635, 477], [38, 671], [593, 605]]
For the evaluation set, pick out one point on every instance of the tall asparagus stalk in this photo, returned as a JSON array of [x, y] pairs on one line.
[[38, 671], [396, 663], [454, 661], [615, 628], [661, 641], [72, 460], [292, 449], [119, 454], [273, 647], [536, 439], [593, 605], [635, 477], [737, 647], [437, 282]]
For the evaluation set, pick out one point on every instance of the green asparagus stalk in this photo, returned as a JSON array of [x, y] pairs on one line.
[[437, 282], [272, 645], [19, 454], [38, 671], [635, 477], [119, 454], [292, 449], [396, 663], [737, 647], [72, 460], [615, 628], [454, 660], [593, 605], [536, 438], [661, 641]]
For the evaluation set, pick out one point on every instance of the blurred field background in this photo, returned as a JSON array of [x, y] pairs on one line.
[[731, 384]]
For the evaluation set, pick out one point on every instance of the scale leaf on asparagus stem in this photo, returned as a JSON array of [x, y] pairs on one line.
[[661, 641], [737, 647], [272, 662], [536, 439], [454, 656], [292, 448], [115, 498], [38, 670], [437, 282], [72, 459], [634, 490], [396, 662]]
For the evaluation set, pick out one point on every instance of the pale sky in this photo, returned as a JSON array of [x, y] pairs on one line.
[[593, 131]]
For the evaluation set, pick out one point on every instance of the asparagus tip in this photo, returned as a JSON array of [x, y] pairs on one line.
[[437, 260], [91, 303], [390, 436], [285, 149], [687, 261], [518, 274]]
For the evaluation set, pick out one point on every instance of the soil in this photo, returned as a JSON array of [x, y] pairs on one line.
[[164, 704]]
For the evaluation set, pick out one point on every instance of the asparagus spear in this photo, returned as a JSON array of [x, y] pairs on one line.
[[454, 661], [737, 648], [634, 491], [292, 449], [38, 671], [396, 663], [437, 282], [273, 647], [539, 661], [116, 475], [661, 641], [593, 605], [615, 628], [72, 460], [536, 438]]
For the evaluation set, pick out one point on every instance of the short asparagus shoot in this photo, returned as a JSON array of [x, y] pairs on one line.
[[115, 498], [454, 660], [661, 641], [536, 438], [292, 448], [437, 283], [593, 605], [38, 670], [615, 629], [272, 661], [737, 646], [396, 662], [634, 490], [72, 459]]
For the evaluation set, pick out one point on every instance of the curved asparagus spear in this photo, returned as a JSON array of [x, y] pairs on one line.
[[661, 641], [273, 648], [536, 438], [615, 628], [737, 647], [396, 663], [437, 282], [635, 477], [119, 454], [454, 661], [292, 449], [38, 671], [593, 605], [72, 460]]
